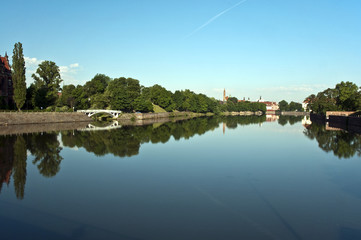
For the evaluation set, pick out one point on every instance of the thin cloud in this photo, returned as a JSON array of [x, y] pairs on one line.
[[68, 73], [74, 65], [214, 18], [294, 88]]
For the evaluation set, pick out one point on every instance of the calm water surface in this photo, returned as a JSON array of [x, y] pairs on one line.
[[205, 178]]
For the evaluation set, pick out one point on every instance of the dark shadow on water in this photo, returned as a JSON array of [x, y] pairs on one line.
[[347, 233], [284, 222], [70, 230]]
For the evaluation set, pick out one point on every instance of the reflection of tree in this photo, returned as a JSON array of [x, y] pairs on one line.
[[13, 161], [283, 119], [6, 159], [46, 149], [233, 121], [19, 166], [127, 140], [342, 144]]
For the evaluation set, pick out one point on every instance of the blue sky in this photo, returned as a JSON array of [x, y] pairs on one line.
[[277, 49]]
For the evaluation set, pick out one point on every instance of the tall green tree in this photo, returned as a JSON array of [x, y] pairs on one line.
[[47, 82], [18, 75]]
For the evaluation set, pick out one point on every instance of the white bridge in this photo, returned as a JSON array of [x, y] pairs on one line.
[[91, 112]]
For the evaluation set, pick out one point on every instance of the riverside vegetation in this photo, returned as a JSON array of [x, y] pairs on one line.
[[345, 96], [102, 92]]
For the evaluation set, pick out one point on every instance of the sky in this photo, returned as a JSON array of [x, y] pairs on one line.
[[277, 49]]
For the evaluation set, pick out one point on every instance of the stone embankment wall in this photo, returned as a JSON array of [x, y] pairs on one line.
[[16, 118], [288, 113], [339, 113], [245, 113], [339, 120], [143, 116]]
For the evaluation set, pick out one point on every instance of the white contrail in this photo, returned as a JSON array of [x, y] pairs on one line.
[[215, 17]]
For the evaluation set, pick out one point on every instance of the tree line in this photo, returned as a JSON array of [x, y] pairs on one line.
[[103, 92], [292, 106], [234, 105], [345, 96]]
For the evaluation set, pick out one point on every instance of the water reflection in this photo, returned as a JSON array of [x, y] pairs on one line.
[[283, 120], [46, 149], [126, 141], [343, 144], [13, 162]]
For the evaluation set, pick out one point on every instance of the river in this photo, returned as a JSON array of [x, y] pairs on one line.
[[203, 178]]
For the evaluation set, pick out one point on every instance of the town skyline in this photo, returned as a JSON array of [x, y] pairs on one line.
[[278, 50]]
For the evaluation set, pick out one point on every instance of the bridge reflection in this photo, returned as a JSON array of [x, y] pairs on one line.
[[92, 127]]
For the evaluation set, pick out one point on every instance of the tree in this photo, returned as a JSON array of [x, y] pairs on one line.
[[47, 82], [294, 106], [232, 99], [347, 95], [142, 105], [122, 92], [283, 105], [18, 75], [67, 98], [97, 85], [162, 97]]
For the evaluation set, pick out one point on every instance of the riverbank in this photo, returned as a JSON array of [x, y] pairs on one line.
[[292, 113], [339, 120], [19, 118], [243, 113], [145, 116], [24, 118]]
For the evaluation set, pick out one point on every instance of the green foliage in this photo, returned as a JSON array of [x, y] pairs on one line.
[[232, 99], [122, 92], [97, 85], [47, 84], [348, 96], [283, 105], [99, 101], [162, 97], [67, 98], [292, 106], [245, 106], [345, 96], [141, 104], [18, 75]]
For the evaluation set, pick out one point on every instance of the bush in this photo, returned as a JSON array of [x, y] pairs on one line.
[[49, 109]]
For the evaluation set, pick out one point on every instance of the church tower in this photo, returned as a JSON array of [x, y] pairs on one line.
[[224, 95]]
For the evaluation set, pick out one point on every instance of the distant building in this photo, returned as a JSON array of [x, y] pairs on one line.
[[6, 83], [270, 106], [305, 104]]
